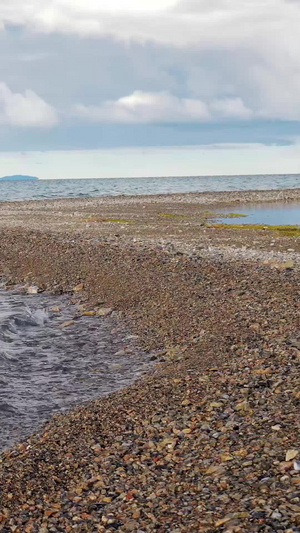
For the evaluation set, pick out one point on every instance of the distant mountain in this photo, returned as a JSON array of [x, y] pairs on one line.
[[18, 177]]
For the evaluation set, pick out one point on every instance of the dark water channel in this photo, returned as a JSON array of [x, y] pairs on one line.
[[269, 214], [45, 369]]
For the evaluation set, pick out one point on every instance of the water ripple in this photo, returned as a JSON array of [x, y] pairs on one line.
[[45, 368], [70, 188]]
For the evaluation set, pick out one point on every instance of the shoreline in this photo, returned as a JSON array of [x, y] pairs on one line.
[[213, 197], [205, 442], [55, 377], [178, 222]]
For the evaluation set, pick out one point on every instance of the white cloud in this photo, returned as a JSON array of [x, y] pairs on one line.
[[182, 23], [84, 17], [123, 6], [27, 110], [232, 108], [247, 62], [144, 108]]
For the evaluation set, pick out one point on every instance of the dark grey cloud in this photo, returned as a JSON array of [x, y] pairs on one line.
[[67, 69], [94, 136], [239, 60]]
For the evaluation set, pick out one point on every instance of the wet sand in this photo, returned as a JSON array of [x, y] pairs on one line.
[[209, 441]]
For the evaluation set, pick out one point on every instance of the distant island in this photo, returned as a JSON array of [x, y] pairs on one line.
[[19, 177]]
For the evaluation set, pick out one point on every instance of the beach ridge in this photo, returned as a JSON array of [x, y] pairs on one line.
[[208, 441]]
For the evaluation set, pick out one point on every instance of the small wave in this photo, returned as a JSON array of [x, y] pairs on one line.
[[40, 316], [45, 368], [7, 355], [23, 322], [30, 318], [8, 332], [6, 408]]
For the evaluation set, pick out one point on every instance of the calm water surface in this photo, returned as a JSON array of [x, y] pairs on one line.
[[45, 369], [273, 214], [10, 191]]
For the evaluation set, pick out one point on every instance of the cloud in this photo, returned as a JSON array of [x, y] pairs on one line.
[[82, 17], [25, 110], [142, 108], [150, 108], [114, 6], [231, 108], [197, 23], [245, 50], [193, 60]]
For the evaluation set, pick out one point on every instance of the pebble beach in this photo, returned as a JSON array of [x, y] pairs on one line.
[[208, 441]]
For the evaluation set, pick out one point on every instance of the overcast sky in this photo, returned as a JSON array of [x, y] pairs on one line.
[[91, 88]]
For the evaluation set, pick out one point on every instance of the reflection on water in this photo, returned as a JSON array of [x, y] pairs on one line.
[[45, 368], [269, 214]]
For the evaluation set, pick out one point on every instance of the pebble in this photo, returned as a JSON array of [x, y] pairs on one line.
[[208, 439], [32, 290]]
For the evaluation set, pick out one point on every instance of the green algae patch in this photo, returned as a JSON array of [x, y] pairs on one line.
[[232, 215], [111, 220], [171, 215], [284, 230], [213, 214], [287, 231], [117, 221]]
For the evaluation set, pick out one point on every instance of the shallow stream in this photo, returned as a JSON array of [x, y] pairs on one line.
[[45, 368]]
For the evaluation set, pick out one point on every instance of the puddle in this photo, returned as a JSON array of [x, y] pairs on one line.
[[274, 214]]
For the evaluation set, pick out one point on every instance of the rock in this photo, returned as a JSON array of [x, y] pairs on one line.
[[131, 525], [291, 454], [79, 287], [223, 521], [288, 265], [104, 311], [185, 403], [67, 324], [296, 466], [295, 343], [120, 352], [33, 290]]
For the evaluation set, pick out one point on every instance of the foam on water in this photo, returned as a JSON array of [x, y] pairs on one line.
[[45, 368]]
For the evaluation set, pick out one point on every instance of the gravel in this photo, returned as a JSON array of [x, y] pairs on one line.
[[208, 441]]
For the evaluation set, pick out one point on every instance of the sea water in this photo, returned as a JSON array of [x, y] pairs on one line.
[[70, 188]]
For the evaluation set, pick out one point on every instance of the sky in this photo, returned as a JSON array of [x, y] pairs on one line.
[[90, 88]]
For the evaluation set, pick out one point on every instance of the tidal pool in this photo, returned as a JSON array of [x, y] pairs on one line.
[[269, 214]]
